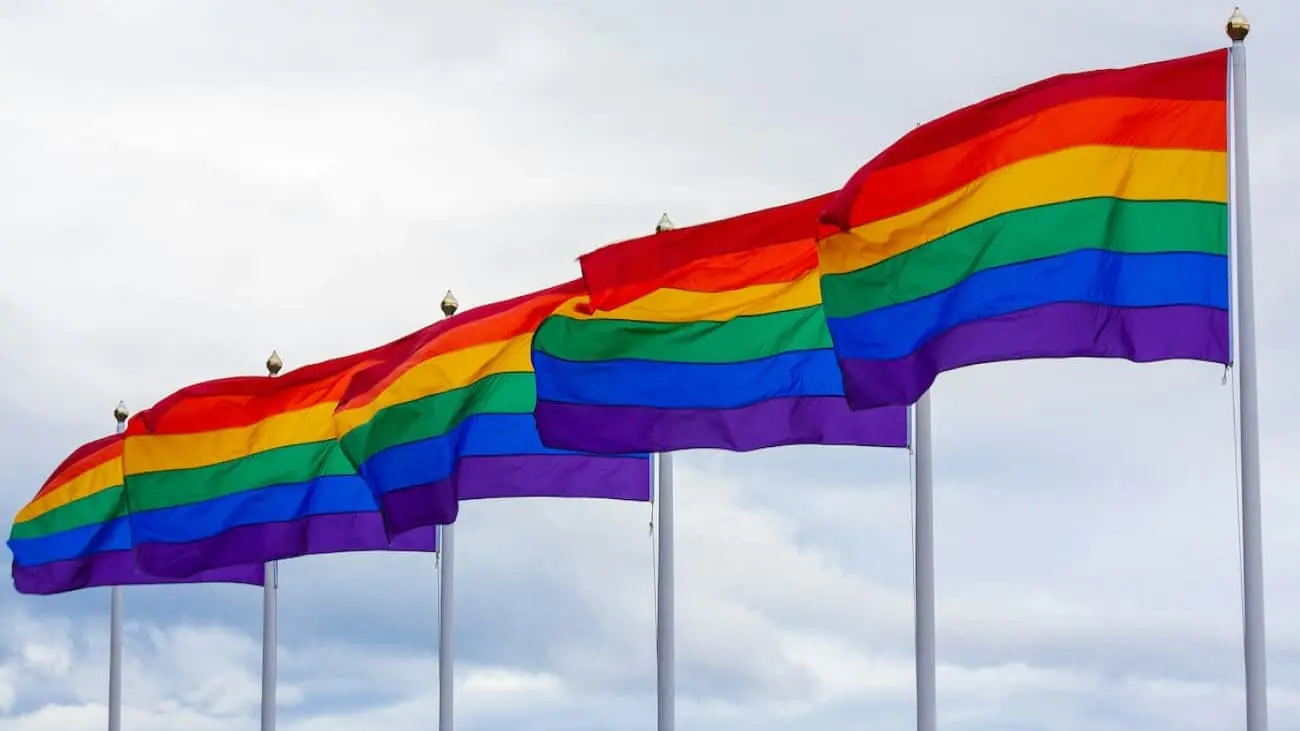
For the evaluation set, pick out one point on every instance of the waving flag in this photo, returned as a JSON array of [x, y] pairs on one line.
[[710, 336], [75, 533], [247, 470], [1084, 215], [449, 416]]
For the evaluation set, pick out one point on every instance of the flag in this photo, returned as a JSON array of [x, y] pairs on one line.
[[75, 534], [710, 336], [248, 470], [451, 419], [1081, 216]]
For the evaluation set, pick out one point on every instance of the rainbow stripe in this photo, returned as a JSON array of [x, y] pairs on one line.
[[1081, 216], [449, 416], [711, 336], [75, 534], [248, 469]]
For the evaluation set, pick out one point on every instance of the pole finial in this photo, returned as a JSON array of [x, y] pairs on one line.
[[120, 413], [1238, 27], [274, 364], [665, 224], [449, 304]]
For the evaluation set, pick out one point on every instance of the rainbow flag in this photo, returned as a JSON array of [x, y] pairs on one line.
[[710, 336], [1081, 216], [249, 469], [450, 417], [75, 534]]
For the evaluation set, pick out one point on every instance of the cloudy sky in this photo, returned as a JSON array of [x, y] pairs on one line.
[[189, 184]]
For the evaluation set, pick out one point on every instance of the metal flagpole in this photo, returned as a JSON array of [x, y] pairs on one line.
[[270, 592], [664, 612], [1252, 547], [115, 623], [923, 569], [665, 648], [927, 696], [446, 596]]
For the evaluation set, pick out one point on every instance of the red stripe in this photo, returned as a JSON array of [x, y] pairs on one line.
[[85, 458], [242, 401], [1202, 77], [1111, 122], [246, 400], [620, 273], [487, 324]]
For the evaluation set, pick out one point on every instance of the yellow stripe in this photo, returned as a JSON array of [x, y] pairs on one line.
[[1071, 174], [159, 452], [677, 305], [86, 484], [444, 373]]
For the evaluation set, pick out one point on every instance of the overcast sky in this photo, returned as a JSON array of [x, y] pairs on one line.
[[189, 184]]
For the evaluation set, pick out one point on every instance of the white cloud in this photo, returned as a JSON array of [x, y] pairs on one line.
[[767, 625], [189, 185]]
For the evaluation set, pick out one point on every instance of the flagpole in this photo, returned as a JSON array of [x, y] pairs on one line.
[[446, 595], [1252, 545], [115, 623], [923, 569], [665, 611], [270, 592]]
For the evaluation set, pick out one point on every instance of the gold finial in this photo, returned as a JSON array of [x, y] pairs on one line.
[[665, 224], [1238, 27], [449, 304], [274, 364], [120, 413]]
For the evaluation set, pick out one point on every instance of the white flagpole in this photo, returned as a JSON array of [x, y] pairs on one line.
[[270, 592], [446, 597], [1252, 545], [115, 624], [665, 611], [923, 569]]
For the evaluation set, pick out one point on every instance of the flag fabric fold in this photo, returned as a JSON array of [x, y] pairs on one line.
[[709, 336], [448, 416], [75, 533], [248, 470], [1081, 216]]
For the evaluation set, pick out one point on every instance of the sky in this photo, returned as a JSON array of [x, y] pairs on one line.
[[189, 185]]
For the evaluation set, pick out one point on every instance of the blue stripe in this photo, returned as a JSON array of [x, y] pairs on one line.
[[114, 535], [279, 504], [688, 385], [431, 460], [1087, 277]]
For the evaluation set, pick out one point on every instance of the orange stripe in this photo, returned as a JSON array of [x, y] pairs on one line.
[[74, 468], [94, 480], [440, 374], [1192, 78], [1141, 123], [620, 273], [245, 403], [772, 264], [451, 336], [163, 452]]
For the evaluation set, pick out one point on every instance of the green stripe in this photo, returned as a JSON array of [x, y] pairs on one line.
[[1109, 224], [750, 337], [284, 466], [433, 416], [101, 507]]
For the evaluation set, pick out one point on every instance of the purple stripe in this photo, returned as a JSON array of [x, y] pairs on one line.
[[803, 420], [115, 568], [1065, 330], [256, 544], [480, 478]]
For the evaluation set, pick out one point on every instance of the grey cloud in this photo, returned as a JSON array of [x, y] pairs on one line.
[[192, 186]]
